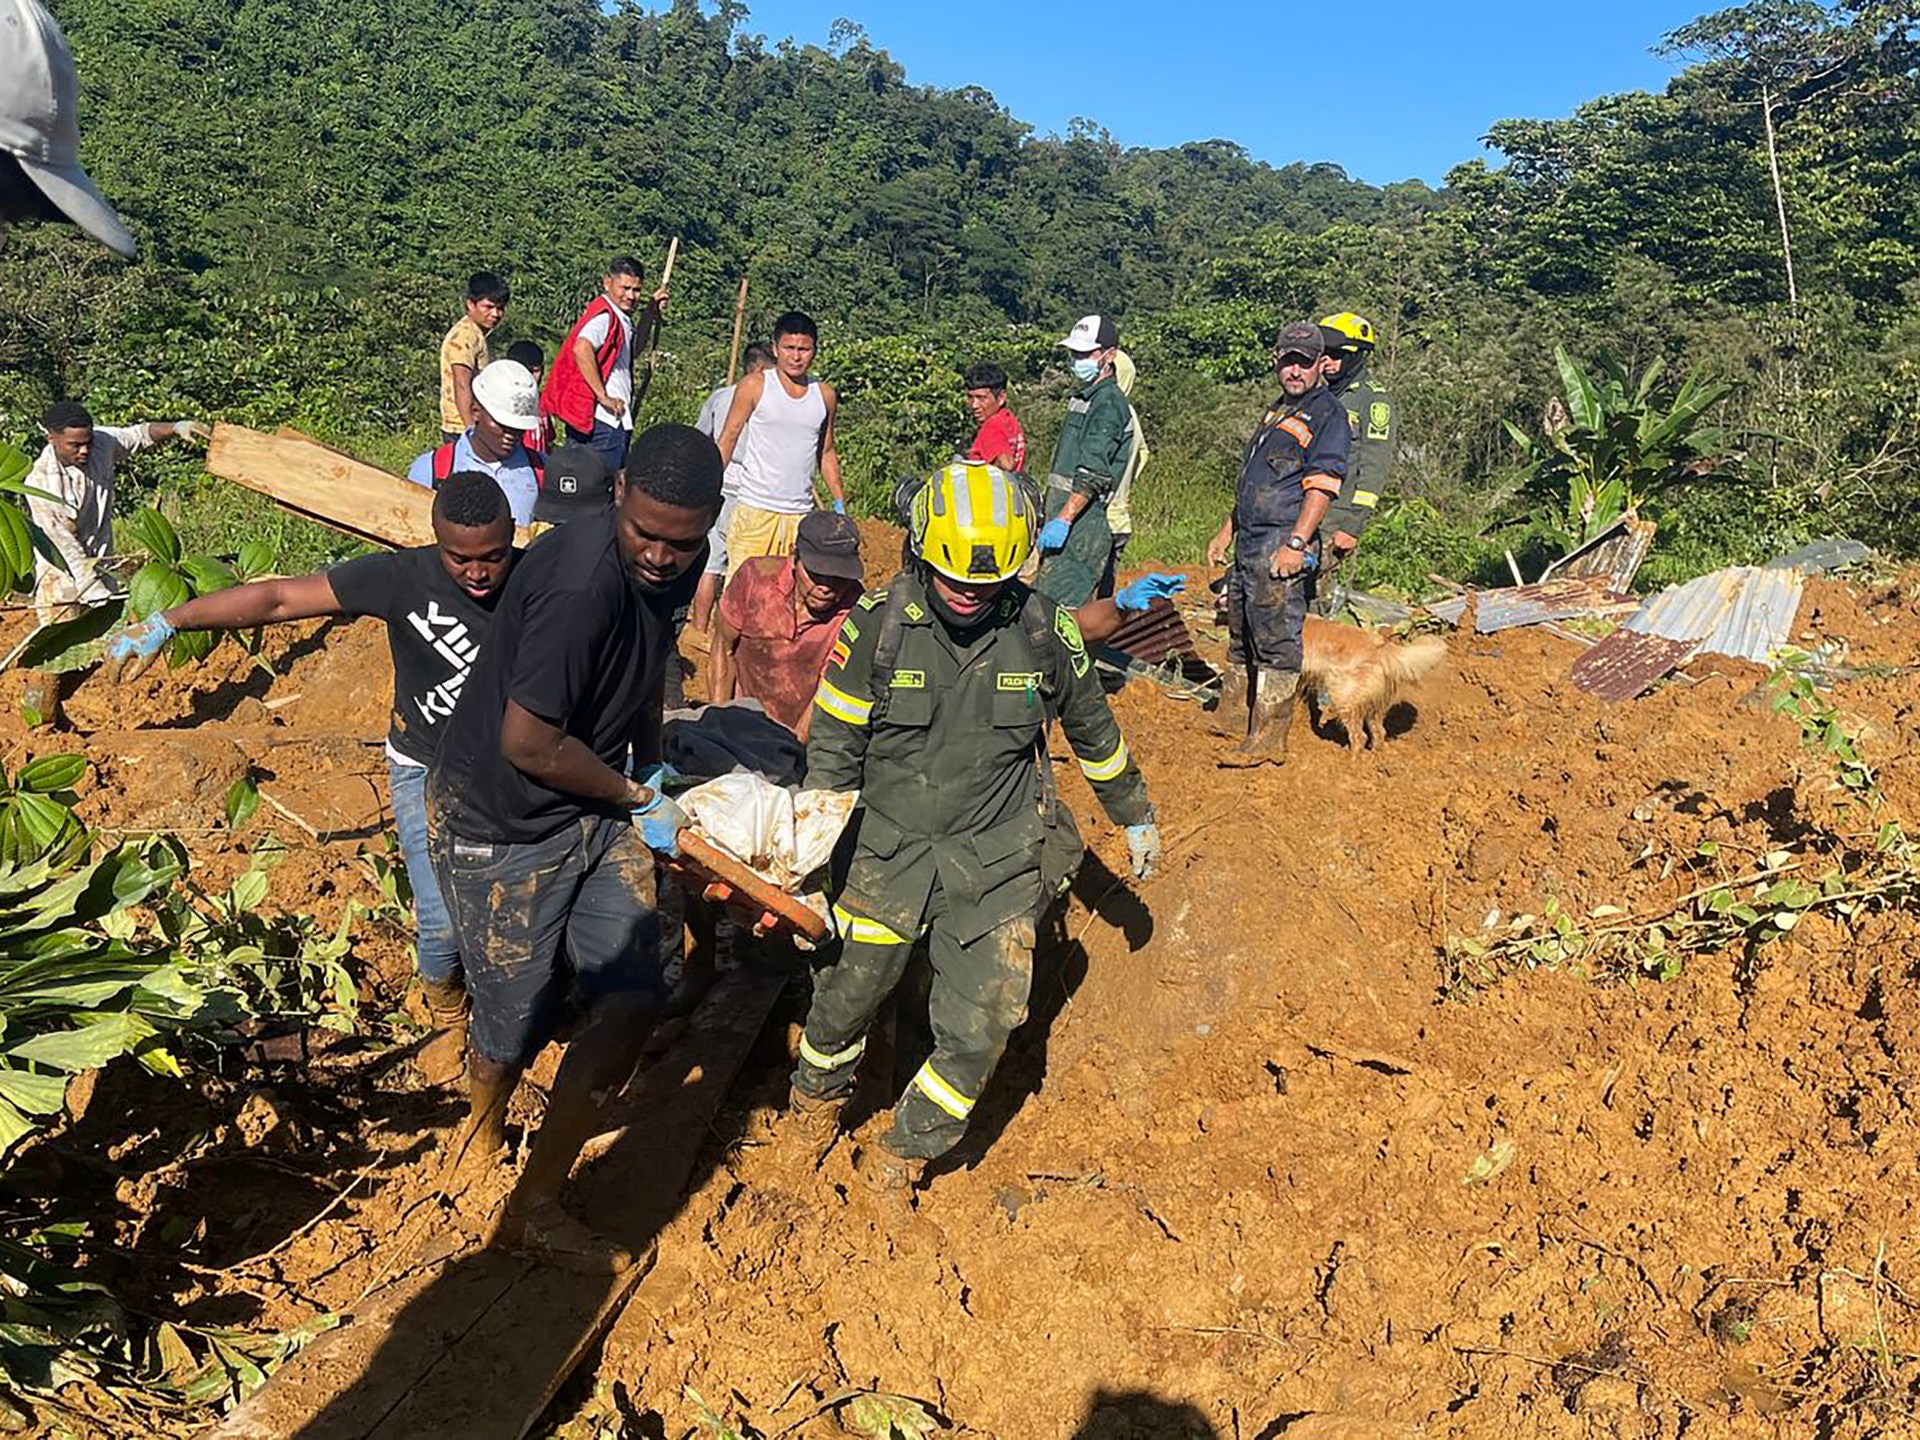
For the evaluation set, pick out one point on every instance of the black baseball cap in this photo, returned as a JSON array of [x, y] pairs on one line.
[[1303, 337], [575, 484], [829, 546]]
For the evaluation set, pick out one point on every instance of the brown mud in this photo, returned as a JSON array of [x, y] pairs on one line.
[[1245, 1172]]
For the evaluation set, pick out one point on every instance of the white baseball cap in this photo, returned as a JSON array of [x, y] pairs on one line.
[[39, 119], [507, 392], [1090, 333]]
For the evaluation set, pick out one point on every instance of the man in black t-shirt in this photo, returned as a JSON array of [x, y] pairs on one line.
[[437, 601], [541, 839]]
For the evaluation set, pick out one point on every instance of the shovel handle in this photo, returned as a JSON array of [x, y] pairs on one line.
[[769, 897]]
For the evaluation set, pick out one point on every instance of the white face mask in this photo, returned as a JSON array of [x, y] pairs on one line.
[[1085, 367]]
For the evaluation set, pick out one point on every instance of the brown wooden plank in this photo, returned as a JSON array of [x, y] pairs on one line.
[[477, 1347], [323, 485]]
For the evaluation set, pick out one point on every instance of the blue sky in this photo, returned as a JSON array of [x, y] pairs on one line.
[[1425, 80]]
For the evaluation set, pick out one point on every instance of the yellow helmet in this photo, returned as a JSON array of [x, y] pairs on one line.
[[1357, 328], [974, 522]]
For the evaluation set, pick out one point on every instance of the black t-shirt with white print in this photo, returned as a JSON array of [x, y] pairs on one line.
[[435, 630]]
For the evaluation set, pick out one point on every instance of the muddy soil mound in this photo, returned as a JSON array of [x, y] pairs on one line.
[[1245, 1172]]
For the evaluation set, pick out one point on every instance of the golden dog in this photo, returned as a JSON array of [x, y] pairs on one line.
[[1362, 673]]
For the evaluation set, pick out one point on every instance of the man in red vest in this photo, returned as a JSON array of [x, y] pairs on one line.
[[590, 388]]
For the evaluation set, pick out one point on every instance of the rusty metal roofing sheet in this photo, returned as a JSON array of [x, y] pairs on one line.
[[1154, 635], [1626, 663], [1745, 612], [1563, 599], [1616, 553]]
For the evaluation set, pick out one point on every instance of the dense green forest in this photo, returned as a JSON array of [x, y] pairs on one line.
[[311, 183]]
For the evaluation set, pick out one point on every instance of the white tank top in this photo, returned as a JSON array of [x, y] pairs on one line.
[[778, 450]]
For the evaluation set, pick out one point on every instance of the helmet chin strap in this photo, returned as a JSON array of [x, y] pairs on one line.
[[961, 623]]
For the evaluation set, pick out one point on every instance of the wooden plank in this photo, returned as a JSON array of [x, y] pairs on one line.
[[477, 1347], [324, 486]]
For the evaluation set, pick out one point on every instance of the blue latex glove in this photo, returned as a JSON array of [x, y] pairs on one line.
[[1141, 594], [660, 821], [1143, 848], [1053, 536], [839, 506], [133, 649]]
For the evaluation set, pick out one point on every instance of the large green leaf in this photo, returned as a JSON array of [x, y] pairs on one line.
[[86, 1047], [206, 574], [155, 586], [60, 645], [154, 533], [48, 773], [14, 464], [35, 1094], [16, 549]]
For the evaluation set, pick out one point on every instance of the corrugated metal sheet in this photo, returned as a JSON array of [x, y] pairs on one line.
[[1745, 612], [1563, 599], [1616, 553], [1154, 635], [1625, 664], [1821, 556]]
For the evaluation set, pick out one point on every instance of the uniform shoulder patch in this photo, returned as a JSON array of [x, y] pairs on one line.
[[913, 611], [1068, 628], [871, 599], [1379, 419]]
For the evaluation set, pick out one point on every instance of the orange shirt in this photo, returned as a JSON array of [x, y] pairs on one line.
[[780, 655]]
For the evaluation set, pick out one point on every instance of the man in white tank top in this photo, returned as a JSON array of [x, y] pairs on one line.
[[775, 457]]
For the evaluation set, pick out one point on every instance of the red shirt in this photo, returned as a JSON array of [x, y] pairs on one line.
[[780, 656], [1001, 435]]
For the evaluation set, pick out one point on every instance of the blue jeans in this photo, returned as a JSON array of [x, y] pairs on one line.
[[570, 918], [609, 440], [436, 952]]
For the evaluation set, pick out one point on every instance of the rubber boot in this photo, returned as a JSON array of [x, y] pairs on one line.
[[598, 1063], [1266, 743], [1230, 716], [484, 1134], [816, 1118], [883, 1172], [443, 1057]]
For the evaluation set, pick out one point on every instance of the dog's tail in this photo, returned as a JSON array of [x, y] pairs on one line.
[[1410, 663]]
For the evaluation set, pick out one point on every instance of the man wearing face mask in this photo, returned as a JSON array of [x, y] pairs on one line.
[[1089, 462], [1291, 470], [541, 841], [40, 174], [935, 707], [1369, 410]]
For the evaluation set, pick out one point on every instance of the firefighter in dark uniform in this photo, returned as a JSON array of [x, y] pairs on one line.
[[935, 706], [1349, 340], [1290, 472]]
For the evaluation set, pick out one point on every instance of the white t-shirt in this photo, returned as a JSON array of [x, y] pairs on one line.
[[620, 383]]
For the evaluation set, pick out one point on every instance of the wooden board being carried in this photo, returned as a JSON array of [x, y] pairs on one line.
[[474, 1346], [323, 485]]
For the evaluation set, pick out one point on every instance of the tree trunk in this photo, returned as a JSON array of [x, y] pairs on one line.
[[1779, 197]]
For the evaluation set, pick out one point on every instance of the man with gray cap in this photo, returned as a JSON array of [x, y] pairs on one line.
[[506, 404], [40, 174], [1089, 461], [1290, 472], [780, 619]]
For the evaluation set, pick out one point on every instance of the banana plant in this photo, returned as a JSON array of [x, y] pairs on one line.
[[1613, 443]]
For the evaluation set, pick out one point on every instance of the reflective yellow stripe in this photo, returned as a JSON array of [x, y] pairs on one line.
[[842, 706], [867, 932], [1109, 768], [831, 1062], [1367, 498], [942, 1094]]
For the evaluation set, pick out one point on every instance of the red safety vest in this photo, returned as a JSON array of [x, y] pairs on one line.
[[566, 395], [443, 463]]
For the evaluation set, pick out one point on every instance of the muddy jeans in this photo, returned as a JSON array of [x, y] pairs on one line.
[[1264, 616], [436, 952], [979, 995], [570, 917]]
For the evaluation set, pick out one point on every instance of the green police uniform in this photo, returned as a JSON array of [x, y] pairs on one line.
[[945, 749], [1371, 419], [1091, 459]]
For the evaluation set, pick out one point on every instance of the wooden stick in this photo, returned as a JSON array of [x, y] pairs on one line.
[[761, 892], [739, 326], [666, 274]]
